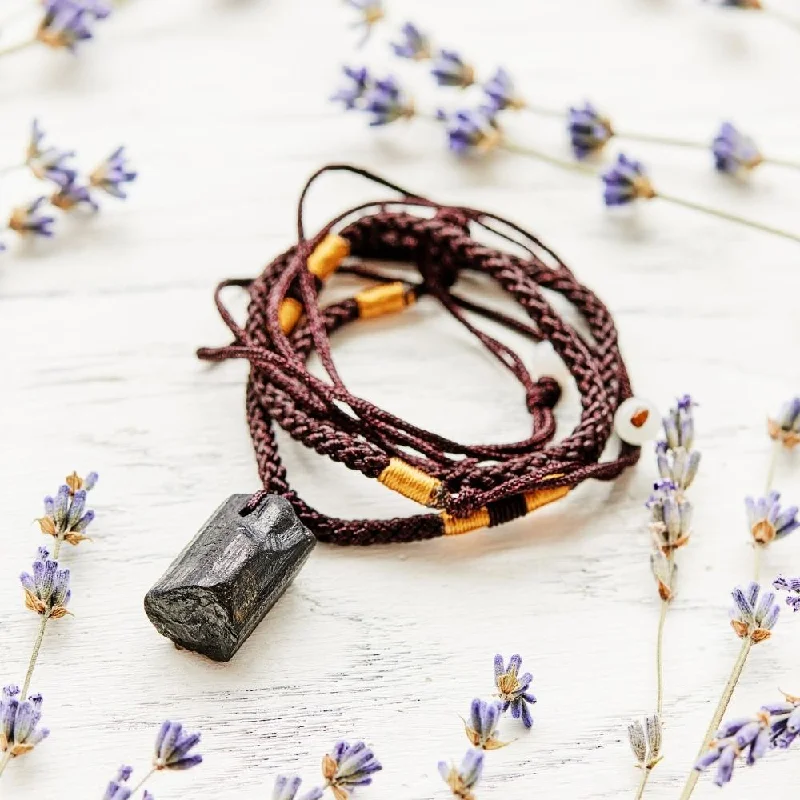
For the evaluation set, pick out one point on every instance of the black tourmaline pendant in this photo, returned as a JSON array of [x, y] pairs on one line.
[[229, 576]]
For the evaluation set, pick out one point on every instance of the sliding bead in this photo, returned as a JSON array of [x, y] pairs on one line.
[[637, 421]]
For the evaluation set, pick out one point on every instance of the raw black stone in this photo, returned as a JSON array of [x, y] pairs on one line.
[[229, 576]]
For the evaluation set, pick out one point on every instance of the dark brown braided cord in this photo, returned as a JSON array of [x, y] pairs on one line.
[[489, 484]]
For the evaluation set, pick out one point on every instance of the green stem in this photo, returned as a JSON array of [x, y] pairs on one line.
[[4, 761], [541, 111], [643, 782], [715, 212], [34, 657], [719, 712], [660, 657], [757, 561], [773, 461], [562, 163], [16, 47], [143, 781], [657, 139]]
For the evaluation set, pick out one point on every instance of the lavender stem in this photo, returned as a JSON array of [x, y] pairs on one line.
[[660, 656], [643, 783], [574, 166], [773, 461], [143, 781], [716, 720], [715, 212], [34, 656], [4, 761], [13, 48]]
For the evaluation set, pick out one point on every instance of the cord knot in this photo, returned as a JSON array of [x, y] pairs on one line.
[[546, 392]]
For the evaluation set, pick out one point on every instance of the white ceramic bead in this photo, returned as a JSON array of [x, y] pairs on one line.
[[637, 421]]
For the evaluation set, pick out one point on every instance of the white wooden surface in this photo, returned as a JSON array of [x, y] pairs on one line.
[[223, 106]]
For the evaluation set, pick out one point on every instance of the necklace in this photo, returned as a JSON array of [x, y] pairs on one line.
[[224, 582]]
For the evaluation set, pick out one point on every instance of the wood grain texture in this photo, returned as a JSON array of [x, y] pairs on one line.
[[223, 106]]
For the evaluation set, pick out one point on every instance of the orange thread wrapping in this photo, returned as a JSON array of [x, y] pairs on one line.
[[453, 526], [388, 298], [322, 263], [411, 482]]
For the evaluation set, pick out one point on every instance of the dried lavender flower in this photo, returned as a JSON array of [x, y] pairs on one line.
[[645, 741], [462, 780], [679, 424], [65, 24], [768, 521], [66, 516], [501, 92], [370, 13], [173, 748], [750, 737], [450, 70], [588, 129], [27, 219], [679, 467], [752, 5], [357, 82], [348, 766], [287, 787], [116, 790], [625, 182], [785, 428], [387, 102], [670, 517], [471, 130], [482, 726], [48, 163], [19, 731], [414, 44], [785, 722], [734, 153], [47, 590], [753, 618], [665, 573], [112, 173], [73, 195], [513, 688], [792, 586]]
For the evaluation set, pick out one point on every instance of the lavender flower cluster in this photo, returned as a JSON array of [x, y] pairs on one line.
[[478, 129], [67, 23], [72, 192], [749, 739], [513, 694]]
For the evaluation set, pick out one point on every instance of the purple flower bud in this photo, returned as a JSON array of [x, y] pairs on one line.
[[450, 70], [734, 153], [589, 131], [626, 182], [173, 748], [414, 44]]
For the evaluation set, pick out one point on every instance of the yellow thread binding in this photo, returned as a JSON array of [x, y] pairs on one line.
[[480, 519], [289, 313], [541, 497], [456, 525], [328, 255], [410, 482], [323, 262], [387, 298]]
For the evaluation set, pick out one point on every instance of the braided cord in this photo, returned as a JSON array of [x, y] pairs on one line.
[[472, 485]]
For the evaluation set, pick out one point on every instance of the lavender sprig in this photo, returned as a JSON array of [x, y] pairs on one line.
[[784, 429], [768, 520], [348, 766], [792, 587], [481, 728], [751, 738], [513, 688], [172, 753], [449, 69], [287, 787], [462, 780], [47, 593], [414, 44]]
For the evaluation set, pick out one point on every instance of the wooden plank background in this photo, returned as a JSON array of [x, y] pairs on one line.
[[223, 106]]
